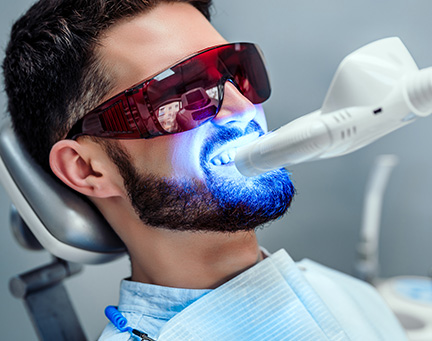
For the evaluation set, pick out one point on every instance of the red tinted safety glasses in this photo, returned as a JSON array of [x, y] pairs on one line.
[[180, 98]]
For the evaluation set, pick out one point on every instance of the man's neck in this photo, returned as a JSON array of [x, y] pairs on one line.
[[195, 260]]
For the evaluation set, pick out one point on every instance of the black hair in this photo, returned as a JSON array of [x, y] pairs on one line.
[[52, 75]]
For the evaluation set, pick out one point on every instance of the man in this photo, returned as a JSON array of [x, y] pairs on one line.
[[186, 216]]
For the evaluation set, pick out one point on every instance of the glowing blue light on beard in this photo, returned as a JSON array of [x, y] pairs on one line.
[[267, 193]]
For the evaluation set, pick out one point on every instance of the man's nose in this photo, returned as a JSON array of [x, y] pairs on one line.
[[236, 109]]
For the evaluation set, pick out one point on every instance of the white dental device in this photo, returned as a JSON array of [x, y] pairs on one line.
[[376, 90]]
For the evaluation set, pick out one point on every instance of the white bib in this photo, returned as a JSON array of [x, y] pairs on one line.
[[270, 301]]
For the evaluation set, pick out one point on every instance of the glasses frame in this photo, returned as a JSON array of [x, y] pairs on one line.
[[130, 114]]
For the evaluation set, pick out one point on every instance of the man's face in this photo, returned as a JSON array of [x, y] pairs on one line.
[[191, 171]]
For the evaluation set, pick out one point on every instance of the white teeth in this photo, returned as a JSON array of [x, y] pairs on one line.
[[228, 154], [224, 158], [216, 161]]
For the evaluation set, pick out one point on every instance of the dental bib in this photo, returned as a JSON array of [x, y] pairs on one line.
[[270, 301]]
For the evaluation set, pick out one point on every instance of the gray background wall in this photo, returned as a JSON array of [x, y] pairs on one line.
[[303, 41]]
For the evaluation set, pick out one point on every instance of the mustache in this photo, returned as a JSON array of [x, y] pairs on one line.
[[223, 135]]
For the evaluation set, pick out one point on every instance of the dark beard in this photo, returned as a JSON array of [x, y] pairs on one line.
[[219, 204]]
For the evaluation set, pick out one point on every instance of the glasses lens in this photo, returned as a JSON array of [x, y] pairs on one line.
[[246, 65], [180, 98], [186, 95]]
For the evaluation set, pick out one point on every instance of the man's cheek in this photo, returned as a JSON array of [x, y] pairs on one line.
[[186, 155], [260, 117]]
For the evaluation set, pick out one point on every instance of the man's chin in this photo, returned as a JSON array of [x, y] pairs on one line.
[[261, 198]]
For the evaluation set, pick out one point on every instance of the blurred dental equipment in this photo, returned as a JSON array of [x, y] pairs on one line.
[[367, 265], [409, 297], [376, 90]]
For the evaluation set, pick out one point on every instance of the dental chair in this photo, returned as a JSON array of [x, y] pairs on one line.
[[45, 214]]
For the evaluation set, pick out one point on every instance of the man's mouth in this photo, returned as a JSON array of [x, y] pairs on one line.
[[227, 152]]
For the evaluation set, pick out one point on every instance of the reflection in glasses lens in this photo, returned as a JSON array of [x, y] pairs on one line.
[[167, 116]]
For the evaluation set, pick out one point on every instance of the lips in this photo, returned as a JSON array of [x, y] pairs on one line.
[[227, 152]]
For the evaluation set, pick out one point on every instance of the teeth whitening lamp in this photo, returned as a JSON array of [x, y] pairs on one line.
[[376, 90]]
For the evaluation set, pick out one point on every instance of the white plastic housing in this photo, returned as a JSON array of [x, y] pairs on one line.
[[376, 89]]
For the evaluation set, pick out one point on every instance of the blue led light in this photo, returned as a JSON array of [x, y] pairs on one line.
[[266, 195]]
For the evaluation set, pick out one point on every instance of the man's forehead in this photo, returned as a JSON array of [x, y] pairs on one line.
[[138, 48]]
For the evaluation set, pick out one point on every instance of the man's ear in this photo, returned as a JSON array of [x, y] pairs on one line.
[[84, 167]]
